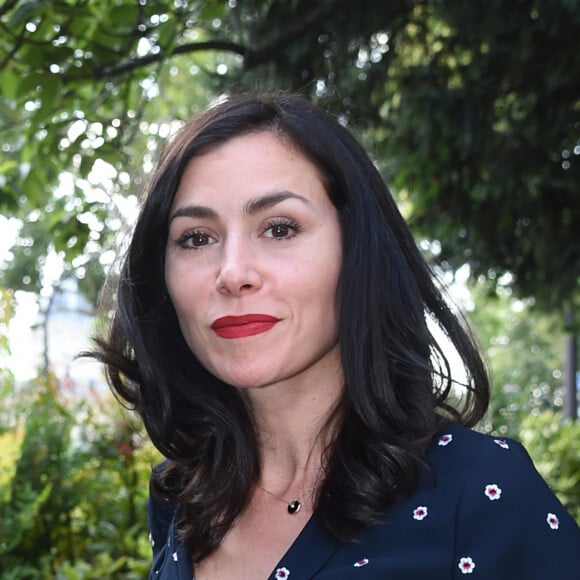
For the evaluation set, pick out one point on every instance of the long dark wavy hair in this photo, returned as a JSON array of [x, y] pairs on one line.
[[398, 390]]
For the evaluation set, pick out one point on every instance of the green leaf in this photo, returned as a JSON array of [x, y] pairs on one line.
[[124, 15], [212, 9], [57, 218], [33, 55], [8, 199], [28, 85], [33, 186], [8, 166], [166, 34], [51, 89], [82, 25], [86, 164], [9, 82]]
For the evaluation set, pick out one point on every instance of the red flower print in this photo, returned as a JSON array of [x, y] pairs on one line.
[[502, 443], [466, 565], [493, 491], [420, 512], [445, 439], [360, 563], [553, 521], [282, 573]]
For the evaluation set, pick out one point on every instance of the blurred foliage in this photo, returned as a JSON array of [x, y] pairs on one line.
[[75, 145], [471, 110], [523, 349], [555, 450], [6, 313], [73, 488], [484, 112]]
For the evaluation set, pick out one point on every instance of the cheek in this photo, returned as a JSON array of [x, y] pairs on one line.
[[324, 278], [328, 271], [184, 302], [174, 289], [188, 318], [333, 305]]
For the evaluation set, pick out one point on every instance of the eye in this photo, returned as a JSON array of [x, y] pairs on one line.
[[281, 229], [195, 240]]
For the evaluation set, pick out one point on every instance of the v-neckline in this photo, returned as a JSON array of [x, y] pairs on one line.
[[300, 559]]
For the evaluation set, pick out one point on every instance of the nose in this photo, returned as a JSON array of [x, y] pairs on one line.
[[238, 272]]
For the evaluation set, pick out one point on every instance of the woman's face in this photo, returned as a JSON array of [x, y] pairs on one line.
[[252, 263]]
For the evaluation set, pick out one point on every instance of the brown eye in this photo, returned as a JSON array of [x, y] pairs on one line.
[[198, 240], [280, 231], [195, 240]]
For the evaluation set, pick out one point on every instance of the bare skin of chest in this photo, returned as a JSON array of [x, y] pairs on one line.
[[255, 544]]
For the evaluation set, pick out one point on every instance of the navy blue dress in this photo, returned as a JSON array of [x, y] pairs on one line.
[[482, 513]]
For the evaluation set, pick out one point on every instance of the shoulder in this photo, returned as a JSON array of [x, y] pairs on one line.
[[455, 441], [508, 523], [170, 557], [471, 458]]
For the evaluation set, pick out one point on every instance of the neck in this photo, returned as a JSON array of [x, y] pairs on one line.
[[295, 424], [292, 478], [290, 463]]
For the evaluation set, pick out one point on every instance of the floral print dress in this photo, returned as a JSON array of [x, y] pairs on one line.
[[481, 512]]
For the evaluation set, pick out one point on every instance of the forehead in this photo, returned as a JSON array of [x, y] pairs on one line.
[[249, 165]]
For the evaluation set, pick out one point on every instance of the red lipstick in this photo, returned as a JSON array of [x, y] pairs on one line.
[[241, 326]]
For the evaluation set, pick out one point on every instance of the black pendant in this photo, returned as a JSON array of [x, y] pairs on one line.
[[294, 507]]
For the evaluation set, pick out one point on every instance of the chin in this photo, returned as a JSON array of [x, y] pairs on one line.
[[249, 384], [245, 380]]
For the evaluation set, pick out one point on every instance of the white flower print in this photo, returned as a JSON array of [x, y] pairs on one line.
[[420, 512], [282, 573], [466, 565], [502, 443], [360, 563], [493, 491], [174, 556], [553, 521], [445, 439]]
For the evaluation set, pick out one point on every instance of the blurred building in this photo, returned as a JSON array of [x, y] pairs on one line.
[[63, 327]]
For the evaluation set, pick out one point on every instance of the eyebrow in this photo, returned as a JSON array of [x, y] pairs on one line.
[[251, 207]]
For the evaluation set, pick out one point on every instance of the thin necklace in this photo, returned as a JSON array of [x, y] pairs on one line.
[[292, 507]]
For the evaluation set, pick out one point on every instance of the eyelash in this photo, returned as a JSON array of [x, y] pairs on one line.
[[183, 241]]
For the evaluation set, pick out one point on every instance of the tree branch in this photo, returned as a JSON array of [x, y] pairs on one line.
[[134, 63], [17, 44], [252, 57]]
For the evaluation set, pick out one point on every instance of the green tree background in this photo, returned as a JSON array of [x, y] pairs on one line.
[[471, 110]]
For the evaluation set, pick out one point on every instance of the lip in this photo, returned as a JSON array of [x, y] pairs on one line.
[[244, 325]]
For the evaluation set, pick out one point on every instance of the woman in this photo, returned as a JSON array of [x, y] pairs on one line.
[[271, 331]]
